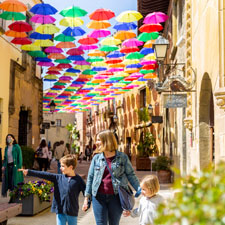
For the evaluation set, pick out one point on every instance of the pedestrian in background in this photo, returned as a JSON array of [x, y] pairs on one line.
[[12, 162], [60, 151], [100, 186], [67, 187], [42, 155]]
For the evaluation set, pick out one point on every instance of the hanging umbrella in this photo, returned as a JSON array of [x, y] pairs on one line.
[[71, 22], [148, 36], [11, 33], [42, 19], [72, 70], [123, 35], [88, 40], [43, 59], [125, 26], [110, 41], [113, 61], [39, 36], [150, 67], [127, 50], [130, 61], [75, 57], [37, 54], [45, 64], [102, 14], [131, 66], [87, 47], [96, 53], [51, 77], [63, 38], [155, 17], [64, 65], [84, 62], [95, 59], [21, 41], [30, 47], [20, 26], [97, 25], [150, 76], [108, 48], [53, 72], [76, 31], [148, 28], [82, 67], [117, 65], [44, 43], [129, 16], [99, 33], [133, 42], [63, 61], [56, 56], [75, 51], [134, 55], [148, 62], [150, 57], [65, 45], [12, 16], [53, 49], [13, 6], [146, 51], [73, 11], [47, 29], [54, 68], [115, 54], [43, 9], [149, 44]]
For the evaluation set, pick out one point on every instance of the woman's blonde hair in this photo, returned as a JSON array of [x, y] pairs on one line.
[[69, 160], [108, 139], [151, 182]]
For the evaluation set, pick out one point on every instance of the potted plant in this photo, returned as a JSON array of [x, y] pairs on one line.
[[162, 165], [35, 196]]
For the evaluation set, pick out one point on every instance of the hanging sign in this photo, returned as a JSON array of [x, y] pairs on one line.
[[175, 101]]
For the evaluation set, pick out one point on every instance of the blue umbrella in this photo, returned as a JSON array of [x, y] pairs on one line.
[[95, 68], [115, 54], [125, 26], [76, 57], [111, 81], [76, 31], [40, 59], [88, 89], [39, 36], [43, 9], [138, 65], [146, 51], [78, 82], [142, 79], [51, 80], [72, 70]]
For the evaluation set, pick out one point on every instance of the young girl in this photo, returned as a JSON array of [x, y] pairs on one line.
[[149, 201]]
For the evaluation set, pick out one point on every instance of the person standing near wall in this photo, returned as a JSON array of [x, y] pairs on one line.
[[43, 155]]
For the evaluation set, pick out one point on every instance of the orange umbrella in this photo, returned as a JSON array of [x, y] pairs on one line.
[[150, 76], [52, 68], [96, 53], [149, 44], [13, 6], [97, 25], [65, 45], [82, 76], [123, 35], [132, 70], [12, 33], [56, 56], [118, 65]]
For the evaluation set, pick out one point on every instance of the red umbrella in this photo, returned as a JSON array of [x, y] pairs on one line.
[[53, 72], [88, 40], [64, 65], [102, 14], [113, 61], [20, 26], [75, 51], [150, 67], [127, 50], [148, 28], [21, 41]]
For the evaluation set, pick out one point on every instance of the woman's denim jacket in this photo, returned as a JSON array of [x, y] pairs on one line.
[[121, 169]]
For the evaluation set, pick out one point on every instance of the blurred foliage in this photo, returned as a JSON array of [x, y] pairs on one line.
[[28, 157], [74, 137], [162, 163], [143, 115], [200, 200]]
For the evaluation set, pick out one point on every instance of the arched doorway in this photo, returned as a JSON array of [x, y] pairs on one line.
[[206, 123]]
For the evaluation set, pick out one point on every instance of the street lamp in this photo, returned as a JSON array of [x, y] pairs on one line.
[[115, 118], [150, 109], [161, 45], [52, 106]]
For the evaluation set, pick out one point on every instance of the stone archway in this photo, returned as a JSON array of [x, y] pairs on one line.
[[206, 123]]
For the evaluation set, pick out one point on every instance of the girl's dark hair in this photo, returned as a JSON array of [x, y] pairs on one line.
[[14, 139], [43, 143]]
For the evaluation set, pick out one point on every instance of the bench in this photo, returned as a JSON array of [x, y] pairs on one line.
[[8, 210]]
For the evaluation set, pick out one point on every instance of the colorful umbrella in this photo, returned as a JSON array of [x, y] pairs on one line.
[[73, 11], [43, 19], [47, 29], [66, 45], [56, 56], [146, 51], [125, 26], [11, 33], [88, 40], [87, 47], [63, 61], [21, 41], [148, 36], [96, 53], [44, 43], [53, 49], [134, 55], [12, 16], [133, 42], [95, 59], [43, 9], [75, 57], [127, 50], [115, 54], [64, 38], [75, 51], [123, 35], [37, 54], [148, 28], [13, 6], [129, 16], [97, 25], [102, 14], [108, 48], [155, 17], [20, 26], [53, 72], [149, 44], [99, 33], [110, 41], [30, 47], [47, 64], [71, 22], [39, 36], [76, 31]]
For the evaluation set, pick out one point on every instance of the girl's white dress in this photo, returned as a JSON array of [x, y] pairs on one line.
[[147, 210]]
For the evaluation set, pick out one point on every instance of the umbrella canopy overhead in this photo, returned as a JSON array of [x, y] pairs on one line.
[[155, 17], [71, 22], [13, 6], [42, 19], [20, 26], [12, 16], [97, 25], [47, 29], [129, 16], [73, 11], [102, 14], [43, 9]]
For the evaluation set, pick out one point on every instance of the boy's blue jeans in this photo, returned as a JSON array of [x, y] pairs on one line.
[[107, 209], [63, 218]]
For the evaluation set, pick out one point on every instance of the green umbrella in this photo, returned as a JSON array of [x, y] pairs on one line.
[[73, 11], [95, 59], [58, 101], [12, 16], [62, 61], [37, 54], [148, 36], [59, 83], [146, 71], [89, 72], [134, 55], [125, 82], [92, 84], [64, 38], [116, 78], [75, 97], [108, 48]]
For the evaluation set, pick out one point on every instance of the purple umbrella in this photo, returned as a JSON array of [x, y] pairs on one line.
[[99, 33], [53, 49], [133, 42], [43, 19], [45, 64], [87, 47], [67, 78], [155, 17], [84, 62]]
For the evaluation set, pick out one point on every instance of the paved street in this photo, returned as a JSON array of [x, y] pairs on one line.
[[48, 218]]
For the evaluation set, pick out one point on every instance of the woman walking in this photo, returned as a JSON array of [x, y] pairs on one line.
[[43, 155], [101, 187]]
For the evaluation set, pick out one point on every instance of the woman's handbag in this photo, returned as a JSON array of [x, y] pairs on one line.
[[126, 195]]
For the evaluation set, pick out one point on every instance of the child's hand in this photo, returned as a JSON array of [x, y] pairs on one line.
[[24, 171], [126, 213]]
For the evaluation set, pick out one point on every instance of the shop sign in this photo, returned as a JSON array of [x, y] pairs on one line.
[[175, 101]]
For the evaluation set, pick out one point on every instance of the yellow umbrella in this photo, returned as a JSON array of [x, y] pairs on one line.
[[130, 61], [119, 85], [138, 82], [149, 44], [44, 43], [71, 22], [99, 64], [47, 29], [123, 35], [150, 56], [82, 67], [129, 16], [70, 74], [97, 25], [110, 41], [122, 74], [96, 53], [30, 47]]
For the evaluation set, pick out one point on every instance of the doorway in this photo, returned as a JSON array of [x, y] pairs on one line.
[[23, 125]]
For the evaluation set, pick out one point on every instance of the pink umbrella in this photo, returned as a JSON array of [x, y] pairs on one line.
[[46, 64], [108, 98], [53, 49], [147, 62], [87, 47], [101, 77], [133, 42], [136, 75], [83, 62], [155, 17], [75, 51], [65, 78], [43, 19], [115, 70], [99, 33], [64, 65]]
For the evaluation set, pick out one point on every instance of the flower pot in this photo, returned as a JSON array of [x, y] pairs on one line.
[[32, 205], [164, 176], [143, 163]]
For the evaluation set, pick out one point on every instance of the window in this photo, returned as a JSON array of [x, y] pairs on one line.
[[142, 98], [58, 122]]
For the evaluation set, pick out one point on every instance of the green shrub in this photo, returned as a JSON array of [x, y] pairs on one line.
[[162, 163], [28, 156], [200, 200]]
